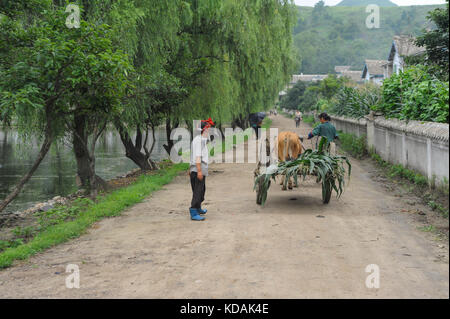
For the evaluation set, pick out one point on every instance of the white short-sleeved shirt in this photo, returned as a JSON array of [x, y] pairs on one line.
[[199, 148]]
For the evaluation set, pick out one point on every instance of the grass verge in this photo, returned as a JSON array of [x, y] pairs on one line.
[[430, 193], [107, 205]]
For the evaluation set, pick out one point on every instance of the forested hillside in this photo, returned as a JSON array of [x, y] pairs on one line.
[[329, 36], [355, 3]]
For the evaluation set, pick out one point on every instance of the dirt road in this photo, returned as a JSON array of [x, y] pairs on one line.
[[294, 247]]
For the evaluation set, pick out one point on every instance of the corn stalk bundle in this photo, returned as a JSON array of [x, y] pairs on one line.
[[329, 170]]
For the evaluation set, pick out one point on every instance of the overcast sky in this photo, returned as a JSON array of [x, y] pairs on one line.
[[399, 2]]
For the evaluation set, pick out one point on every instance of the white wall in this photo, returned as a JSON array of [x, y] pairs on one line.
[[421, 146]]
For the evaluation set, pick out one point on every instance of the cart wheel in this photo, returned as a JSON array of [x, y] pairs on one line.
[[326, 193], [259, 194]]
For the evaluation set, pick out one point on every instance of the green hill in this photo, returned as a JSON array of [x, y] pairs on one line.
[[356, 3], [328, 36]]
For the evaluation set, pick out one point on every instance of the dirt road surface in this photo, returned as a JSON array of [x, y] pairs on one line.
[[294, 247]]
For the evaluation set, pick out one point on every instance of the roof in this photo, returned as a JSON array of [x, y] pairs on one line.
[[353, 75], [405, 46], [374, 67], [341, 68]]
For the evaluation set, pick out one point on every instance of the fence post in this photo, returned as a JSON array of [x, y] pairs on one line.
[[370, 131], [388, 146], [404, 151], [429, 172]]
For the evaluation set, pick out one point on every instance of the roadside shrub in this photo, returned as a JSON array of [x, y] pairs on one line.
[[356, 146], [415, 95], [355, 102], [308, 119]]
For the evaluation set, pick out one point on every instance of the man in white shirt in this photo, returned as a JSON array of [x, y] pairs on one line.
[[199, 170], [298, 118]]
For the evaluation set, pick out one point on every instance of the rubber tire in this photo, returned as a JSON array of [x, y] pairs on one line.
[[258, 194]]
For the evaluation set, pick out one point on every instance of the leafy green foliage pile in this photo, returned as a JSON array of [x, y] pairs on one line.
[[329, 170]]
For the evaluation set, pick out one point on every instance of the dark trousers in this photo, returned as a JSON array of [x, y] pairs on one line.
[[198, 190]]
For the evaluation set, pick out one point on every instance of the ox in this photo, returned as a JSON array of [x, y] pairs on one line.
[[289, 147]]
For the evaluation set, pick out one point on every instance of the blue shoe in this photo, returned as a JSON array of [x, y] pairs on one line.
[[202, 211], [195, 215]]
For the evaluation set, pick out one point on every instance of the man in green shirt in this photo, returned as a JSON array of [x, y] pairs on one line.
[[325, 129]]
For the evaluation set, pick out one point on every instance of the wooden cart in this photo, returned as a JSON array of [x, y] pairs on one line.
[[262, 169]]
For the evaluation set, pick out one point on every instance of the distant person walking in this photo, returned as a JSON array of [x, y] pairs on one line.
[[298, 118]]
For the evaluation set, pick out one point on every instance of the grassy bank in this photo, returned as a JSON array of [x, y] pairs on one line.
[[66, 222], [431, 193]]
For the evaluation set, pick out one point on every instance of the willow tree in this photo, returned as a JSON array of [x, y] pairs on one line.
[[247, 47], [178, 45], [201, 58], [252, 60], [49, 73], [155, 89]]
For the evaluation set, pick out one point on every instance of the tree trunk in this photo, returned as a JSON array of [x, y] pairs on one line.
[[80, 140], [221, 132], [42, 153], [132, 151], [169, 145], [86, 177]]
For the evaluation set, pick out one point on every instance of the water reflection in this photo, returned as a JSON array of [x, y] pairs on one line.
[[56, 174]]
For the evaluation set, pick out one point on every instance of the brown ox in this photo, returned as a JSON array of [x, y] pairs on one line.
[[289, 147]]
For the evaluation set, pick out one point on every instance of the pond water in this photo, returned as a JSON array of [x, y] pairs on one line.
[[56, 174]]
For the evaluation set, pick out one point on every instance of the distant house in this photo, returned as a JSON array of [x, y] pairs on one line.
[[374, 71], [402, 46], [344, 71], [307, 78], [302, 77], [341, 68], [355, 76]]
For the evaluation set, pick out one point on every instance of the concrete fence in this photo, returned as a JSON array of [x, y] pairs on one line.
[[421, 146]]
